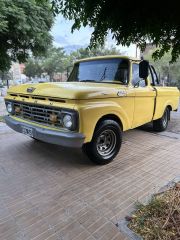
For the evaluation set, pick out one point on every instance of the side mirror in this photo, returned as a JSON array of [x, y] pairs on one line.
[[144, 69]]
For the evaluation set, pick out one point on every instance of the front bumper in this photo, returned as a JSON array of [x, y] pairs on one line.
[[66, 139]]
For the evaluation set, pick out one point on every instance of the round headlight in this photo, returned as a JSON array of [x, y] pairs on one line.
[[9, 108], [67, 121]]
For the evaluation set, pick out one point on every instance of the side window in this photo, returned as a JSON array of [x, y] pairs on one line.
[[135, 76]]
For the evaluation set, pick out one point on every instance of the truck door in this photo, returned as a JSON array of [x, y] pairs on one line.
[[145, 96]]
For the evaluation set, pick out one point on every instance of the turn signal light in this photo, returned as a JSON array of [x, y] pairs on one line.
[[53, 118], [17, 109]]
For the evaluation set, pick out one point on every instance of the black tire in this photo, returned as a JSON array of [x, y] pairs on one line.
[[105, 144], [161, 124]]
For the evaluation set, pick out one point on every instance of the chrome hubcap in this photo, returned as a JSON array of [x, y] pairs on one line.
[[106, 142]]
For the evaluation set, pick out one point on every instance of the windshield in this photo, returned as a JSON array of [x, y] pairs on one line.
[[103, 70]]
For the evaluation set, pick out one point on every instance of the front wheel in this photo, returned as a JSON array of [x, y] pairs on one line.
[[106, 142], [161, 124]]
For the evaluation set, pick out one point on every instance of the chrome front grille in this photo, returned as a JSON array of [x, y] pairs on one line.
[[38, 113]]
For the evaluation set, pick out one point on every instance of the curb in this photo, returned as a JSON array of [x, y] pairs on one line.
[[122, 225]]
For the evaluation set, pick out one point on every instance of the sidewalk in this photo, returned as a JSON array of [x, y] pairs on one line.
[[53, 193], [2, 107]]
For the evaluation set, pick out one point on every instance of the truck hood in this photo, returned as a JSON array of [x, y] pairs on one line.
[[70, 90]]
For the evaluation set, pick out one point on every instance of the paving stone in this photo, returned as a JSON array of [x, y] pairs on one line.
[[51, 193]]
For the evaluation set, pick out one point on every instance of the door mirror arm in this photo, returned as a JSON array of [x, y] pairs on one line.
[[136, 85]]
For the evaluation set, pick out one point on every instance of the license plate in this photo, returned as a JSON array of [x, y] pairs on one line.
[[27, 131]]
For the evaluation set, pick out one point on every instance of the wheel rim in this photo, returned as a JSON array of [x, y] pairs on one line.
[[165, 118], [106, 143]]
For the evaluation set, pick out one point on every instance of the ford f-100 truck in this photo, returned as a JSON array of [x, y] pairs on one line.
[[102, 97]]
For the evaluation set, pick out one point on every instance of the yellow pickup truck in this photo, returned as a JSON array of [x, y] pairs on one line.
[[102, 97]]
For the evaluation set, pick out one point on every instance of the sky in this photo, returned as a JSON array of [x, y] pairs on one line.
[[63, 37], [62, 33]]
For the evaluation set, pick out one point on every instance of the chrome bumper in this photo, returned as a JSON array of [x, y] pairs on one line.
[[66, 139]]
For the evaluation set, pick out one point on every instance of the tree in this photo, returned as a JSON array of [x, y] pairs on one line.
[[24, 30], [92, 52], [55, 62], [133, 22], [33, 67], [168, 71]]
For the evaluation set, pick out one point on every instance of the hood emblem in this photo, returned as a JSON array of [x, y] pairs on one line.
[[30, 89]]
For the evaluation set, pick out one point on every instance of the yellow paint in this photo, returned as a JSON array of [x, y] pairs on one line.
[[166, 96], [133, 106]]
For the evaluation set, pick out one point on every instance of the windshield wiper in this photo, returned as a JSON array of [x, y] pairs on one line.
[[104, 74]]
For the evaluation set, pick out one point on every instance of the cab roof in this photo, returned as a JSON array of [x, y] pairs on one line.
[[107, 57]]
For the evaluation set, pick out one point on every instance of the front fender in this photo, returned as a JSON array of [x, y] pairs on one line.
[[90, 112]]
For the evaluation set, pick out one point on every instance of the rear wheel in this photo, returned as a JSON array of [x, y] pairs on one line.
[[106, 142], [161, 124]]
